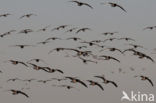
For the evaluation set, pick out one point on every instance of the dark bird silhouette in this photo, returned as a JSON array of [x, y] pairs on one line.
[[74, 38], [93, 83], [90, 43], [80, 47], [71, 30], [144, 78], [115, 5], [16, 92], [43, 42], [110, 39], [109, 33], [139, 54], [44, 29], [85, 61], [36, 67], [44, 81], [22, 46], [36, 60], [15, 62], [28, 15], [7, 33], [75, 80], [53, 38], [59, 27], [109, 58], [127, 39], [82, 29], [112, 49], [5, 15], [28, 80], [106, 81], [26, 31], [136, 46], [50, 70], [81, 3], [66, 86], [13, 79], [149, 28]]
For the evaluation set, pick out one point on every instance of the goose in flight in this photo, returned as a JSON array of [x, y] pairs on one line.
[[112, 50], [16, 92], [136, 46], [75, 80], [44, 81], [106, 81], [71, 30], [109, 58], [13, 79], [115, 5], [15, 62], [93, 83], [109, 33], [144, 78], [80, 47], [44, 29], [36, 67], [110, 39], [7, 33], [81, 3], [28, 15], [5, 15], [26, 31], [22, 46], [50, 70], [66, 86], [53, 38], [74, 38], [36, 60], [127, 39], [59, 27], [150, 28], [85, 61], [82, 29]]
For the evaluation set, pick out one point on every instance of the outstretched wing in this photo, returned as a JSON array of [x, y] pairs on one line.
[[23, 64], [115, 59], [150, 81], [113, 83], [121, 8], [23, 94], [100, 86], [59, 71], [88, 5], [82, 83]]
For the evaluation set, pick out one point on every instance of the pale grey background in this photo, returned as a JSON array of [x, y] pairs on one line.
[[103, 18]]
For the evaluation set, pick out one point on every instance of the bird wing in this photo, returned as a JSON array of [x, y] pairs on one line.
[[82, 83], [113, 83], [23, 64], [150, 81], [59, 71], [23, 94], [121, 8], [99, 86], [148, 57], [115, 59], [88, 5], [100, 77]]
